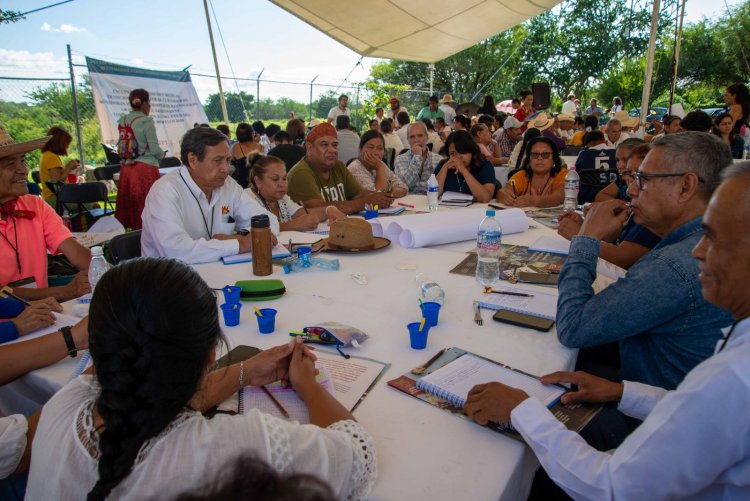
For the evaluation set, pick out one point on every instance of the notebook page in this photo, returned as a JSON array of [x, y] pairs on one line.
[[253, 397], [467, 371], [538, 304]]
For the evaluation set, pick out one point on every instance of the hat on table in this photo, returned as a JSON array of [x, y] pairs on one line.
[[352, 235]]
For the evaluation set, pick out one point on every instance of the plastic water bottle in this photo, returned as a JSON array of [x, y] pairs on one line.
[[98, 267], [431, 291], [432, 193], [489, 239], [66, 219], [572, 185]]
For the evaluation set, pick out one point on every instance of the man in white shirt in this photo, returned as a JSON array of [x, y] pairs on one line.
[[569, 106], [339, 109], [614, 133], [348, 140], [694, 441], [448, 110], [195, 213], [395, 108]]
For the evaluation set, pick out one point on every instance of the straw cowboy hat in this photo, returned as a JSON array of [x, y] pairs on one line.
[[351, 235], [541, 122], [9, 148], [564, 117], [625, 119], [447, 99]]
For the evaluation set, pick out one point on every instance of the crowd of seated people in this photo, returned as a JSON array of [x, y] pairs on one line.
[[653, 345]]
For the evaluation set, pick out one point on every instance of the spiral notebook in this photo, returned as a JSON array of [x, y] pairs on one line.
[[453, 381], [537, 304]]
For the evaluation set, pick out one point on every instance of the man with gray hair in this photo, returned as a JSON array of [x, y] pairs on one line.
[[656, 314], [415, 166], [198, 213], [694, 442], [613, 133]]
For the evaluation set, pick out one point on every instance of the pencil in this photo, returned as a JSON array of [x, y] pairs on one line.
[[521, 294], [8, 292], [275, 402], [404, 205]]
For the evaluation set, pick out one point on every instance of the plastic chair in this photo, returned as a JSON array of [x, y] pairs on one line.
[[111, 154], [85, 193], [170, 162], [106, 173], [36, 176], [125, 246]]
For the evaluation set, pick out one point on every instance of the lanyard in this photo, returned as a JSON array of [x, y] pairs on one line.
[[729, 334], [14, 247], [203, 216]]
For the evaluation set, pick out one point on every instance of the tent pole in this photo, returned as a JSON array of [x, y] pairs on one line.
[[79, 137], [649, 68], [309, 119], [677, 56], [216, 65], [257, 92], [431, 67]]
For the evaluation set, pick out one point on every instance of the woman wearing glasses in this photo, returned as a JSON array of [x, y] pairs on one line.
[[541, 180]]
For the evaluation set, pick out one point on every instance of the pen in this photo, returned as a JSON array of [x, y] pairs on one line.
[[306, 211], [275, 402], [521, 294], [496, 207], [8, 292], [513, 185], [404, 205]]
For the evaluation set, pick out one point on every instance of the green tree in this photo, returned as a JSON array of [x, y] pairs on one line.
[[237, 104]]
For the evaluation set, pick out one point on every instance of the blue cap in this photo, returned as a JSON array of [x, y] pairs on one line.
[[490, 213]]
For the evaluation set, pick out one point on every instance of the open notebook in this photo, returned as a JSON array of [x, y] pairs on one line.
[[253, 397], [537, 304], [453, 381]]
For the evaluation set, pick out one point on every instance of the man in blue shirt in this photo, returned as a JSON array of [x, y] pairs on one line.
[[656, 313]]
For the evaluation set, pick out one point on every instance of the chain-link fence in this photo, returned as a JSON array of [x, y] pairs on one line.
[[30, 106]]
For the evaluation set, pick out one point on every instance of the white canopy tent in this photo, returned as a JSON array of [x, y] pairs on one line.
[[429, 30], [413, 30]]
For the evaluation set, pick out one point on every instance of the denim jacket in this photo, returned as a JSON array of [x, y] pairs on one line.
[[656, 313]]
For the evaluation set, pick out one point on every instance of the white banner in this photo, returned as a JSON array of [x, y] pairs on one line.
[[175, 106]]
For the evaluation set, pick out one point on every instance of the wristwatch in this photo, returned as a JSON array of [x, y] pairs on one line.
[[68, 337]]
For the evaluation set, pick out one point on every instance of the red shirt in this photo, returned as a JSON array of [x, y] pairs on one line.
[[32, 238], [521, 116]]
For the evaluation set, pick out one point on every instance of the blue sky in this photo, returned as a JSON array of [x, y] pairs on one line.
[[172, 34]]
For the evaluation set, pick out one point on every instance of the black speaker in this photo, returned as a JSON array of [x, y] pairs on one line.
[[541, 95]]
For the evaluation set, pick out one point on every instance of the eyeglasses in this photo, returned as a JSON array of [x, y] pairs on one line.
[[640, 176], [543, 155]]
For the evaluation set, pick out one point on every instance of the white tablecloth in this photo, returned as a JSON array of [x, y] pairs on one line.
[[423, 452]]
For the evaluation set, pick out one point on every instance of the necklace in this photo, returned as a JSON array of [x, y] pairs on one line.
[[729, 334], [461, 182], [14, 247], [209, 231], [538, 191]]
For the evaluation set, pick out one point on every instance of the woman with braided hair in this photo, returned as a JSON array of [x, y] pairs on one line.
[[134, 430]]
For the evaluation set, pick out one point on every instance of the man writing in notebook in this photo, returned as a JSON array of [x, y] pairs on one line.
[[197, 213], [694, 441]]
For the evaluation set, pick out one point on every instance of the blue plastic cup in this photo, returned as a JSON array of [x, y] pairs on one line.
[[266, 322], [231, 293], [231, 313], [371, 214], [430, 312], [417, 338]]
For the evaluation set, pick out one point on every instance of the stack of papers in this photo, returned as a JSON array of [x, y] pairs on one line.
[[456, 199]]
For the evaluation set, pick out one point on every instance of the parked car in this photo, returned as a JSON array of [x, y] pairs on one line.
[[713, 111], [654, 113]]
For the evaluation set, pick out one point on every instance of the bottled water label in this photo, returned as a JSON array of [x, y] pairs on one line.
[[571, 188], [489, 241]]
